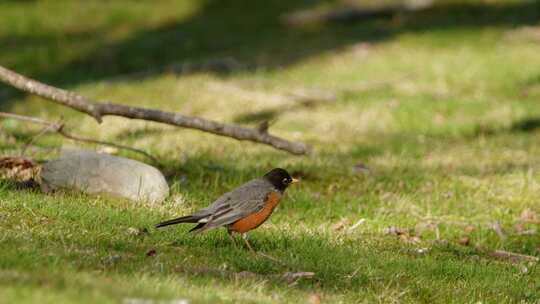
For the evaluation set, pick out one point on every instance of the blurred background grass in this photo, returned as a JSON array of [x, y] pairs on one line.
[[440, 104]]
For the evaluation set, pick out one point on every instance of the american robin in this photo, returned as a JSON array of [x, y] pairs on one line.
[[242, 209]]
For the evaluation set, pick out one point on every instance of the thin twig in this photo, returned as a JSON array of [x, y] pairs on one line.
[[105, 143], [264, 255], [99, 109], [60, 129], [34, 138], [514, 257]]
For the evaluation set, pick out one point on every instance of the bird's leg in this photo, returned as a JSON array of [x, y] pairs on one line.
[[264, 255], [244, 237], [230, 233]]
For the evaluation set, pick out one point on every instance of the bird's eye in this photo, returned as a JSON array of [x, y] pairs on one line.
[[285, 181]]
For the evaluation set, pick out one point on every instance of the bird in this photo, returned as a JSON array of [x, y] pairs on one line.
[[241, 209]]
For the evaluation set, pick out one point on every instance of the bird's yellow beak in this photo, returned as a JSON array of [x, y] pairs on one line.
[[294, 181]]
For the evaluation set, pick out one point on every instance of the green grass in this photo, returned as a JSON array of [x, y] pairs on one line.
[[441, 105]]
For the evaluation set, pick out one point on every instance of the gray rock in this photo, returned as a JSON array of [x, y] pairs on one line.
[[104, 174]]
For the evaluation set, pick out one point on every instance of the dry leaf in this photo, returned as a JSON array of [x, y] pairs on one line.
[[151, 253], [469, 229], [527, 215], [9, 162], [496, 226], [395, 230], [519, 227], [108, 150], [360, 167], [292, 277], [314, 299], [132, 231], [465, 241], [341, 224], [409, 239], [18, 168], [531, 231], [136, 231], [242, 275], [403, 234]]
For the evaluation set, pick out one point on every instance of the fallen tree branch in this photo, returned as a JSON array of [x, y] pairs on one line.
[[100, 109], [513, 257], [352, 13], [60, 129], [289, 276]]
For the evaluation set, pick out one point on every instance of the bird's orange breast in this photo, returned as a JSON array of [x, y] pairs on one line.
[[254, 220]]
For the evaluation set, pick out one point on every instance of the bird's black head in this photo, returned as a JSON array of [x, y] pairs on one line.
[[280, 178]]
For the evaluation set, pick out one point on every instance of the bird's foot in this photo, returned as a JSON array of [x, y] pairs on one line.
[[245, 238], [264, 255]]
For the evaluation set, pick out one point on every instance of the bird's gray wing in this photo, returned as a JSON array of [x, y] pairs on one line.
[[237, 204]]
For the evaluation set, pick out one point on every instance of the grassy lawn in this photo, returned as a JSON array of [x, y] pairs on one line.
[[440, 105]]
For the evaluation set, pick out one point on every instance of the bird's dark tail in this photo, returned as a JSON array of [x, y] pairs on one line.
[[199, 226], [183, 219]]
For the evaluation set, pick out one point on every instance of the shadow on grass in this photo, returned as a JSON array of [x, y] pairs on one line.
[[248, 31], [270, 114], [524, 125]]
